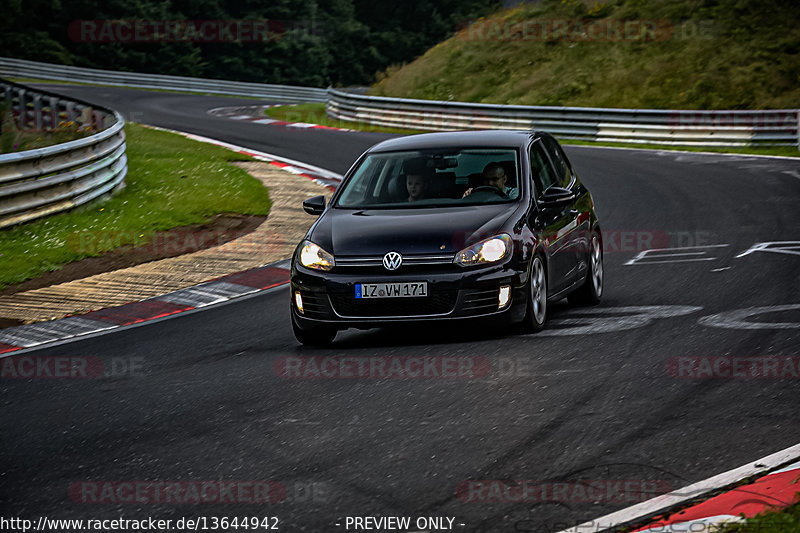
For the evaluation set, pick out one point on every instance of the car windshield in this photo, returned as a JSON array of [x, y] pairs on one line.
[[433, 178]]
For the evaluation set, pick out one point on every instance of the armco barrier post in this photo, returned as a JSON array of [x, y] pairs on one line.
[[97, 123], [21, 108], [43, 181], [37, 112], [70, 111], [53, 112]]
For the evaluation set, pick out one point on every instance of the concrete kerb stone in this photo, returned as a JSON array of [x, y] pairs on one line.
[[251, 263]]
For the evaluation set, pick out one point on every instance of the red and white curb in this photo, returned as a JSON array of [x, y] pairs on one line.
[[255, 115], [223, 289], [776, 490], [679, 511], [285, 124], [324, 177], [208, 293]]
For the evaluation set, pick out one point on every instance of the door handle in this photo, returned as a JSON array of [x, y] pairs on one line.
[[573, 212]]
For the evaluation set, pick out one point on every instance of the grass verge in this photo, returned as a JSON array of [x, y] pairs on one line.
[[784, 151], [172, 181], [785, 521], [315, 114], [721, 54]]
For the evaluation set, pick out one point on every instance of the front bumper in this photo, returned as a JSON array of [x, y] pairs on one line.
[[329, 297]]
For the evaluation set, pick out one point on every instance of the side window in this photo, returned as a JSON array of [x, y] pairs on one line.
[[563, 173], [541, 169]]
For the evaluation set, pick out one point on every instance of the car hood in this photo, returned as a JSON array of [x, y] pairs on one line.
[[348, 232]]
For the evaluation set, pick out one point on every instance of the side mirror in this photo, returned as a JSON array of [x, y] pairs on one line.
[[556, 196], [315, 205]]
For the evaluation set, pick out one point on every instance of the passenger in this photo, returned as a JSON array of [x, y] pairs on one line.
[[494, 174], [417, 178], [417, 186]]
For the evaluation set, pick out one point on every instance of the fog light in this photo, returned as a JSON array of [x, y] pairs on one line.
[[503, 296], [298, 301]]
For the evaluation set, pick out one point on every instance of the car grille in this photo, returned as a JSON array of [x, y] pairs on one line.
[[437, 303], [411, 263], [477, 302], [315, 305]]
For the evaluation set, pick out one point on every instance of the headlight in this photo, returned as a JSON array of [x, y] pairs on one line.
[[488, 251], [312, 256]]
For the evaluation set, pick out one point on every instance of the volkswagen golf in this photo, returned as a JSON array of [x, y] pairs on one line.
[[448, 226]]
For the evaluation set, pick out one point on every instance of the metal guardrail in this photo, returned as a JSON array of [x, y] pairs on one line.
[[642, 126], [32, 69], [40, 182]]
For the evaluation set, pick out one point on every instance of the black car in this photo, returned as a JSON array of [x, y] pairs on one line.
[[447, 226]]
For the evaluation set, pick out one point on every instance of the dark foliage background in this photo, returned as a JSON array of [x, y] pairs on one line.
[[336, 42]]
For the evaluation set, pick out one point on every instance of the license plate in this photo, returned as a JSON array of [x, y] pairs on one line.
[[413, 289]]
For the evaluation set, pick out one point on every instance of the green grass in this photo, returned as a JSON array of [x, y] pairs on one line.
[[172, 181], [785, 521], [315, 114], [785, 151], [704, 54]]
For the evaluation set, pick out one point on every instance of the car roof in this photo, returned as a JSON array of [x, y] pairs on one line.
[[457, 139]]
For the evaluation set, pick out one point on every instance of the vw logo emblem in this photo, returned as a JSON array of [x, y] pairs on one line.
[[392, 261]]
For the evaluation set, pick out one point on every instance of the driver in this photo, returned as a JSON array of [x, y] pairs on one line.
[[494, 175]]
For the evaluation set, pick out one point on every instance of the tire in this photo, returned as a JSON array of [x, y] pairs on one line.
[[316, 336], [592, 289], [536, 307]]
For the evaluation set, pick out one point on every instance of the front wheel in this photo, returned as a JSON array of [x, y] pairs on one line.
[[536, 312], [592, 289], [315, 336]]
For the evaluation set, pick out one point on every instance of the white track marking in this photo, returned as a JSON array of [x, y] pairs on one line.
[[660, 504], [654, 255], [738, 319], [590, 321], [777, 247]]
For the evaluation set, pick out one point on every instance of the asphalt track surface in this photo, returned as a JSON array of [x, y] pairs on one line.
[[572, 404]]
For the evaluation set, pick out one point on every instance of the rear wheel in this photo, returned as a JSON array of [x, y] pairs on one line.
[[536, 312], [312, 336], [592, 289]]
